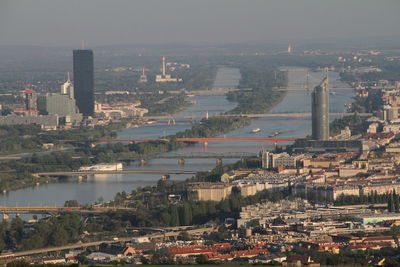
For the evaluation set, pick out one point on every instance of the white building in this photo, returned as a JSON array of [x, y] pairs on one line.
[[68, 88]]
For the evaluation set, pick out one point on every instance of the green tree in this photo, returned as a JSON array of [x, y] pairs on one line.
[[71, 203], [202, 259], [174, 216], [18, 263], [58, 237], [184, 235], [187, 214]]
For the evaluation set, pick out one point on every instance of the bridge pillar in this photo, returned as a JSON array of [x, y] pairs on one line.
[[218, 161], [143, 162], [6, 216], [181, 161]]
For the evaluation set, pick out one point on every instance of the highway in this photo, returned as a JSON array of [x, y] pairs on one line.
[[97, 243]]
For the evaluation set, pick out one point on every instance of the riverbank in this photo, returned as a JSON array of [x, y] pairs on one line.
[[16, 181]]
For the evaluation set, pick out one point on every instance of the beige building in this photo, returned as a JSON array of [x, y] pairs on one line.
[[248, 190], [271, 160], [210, 191]]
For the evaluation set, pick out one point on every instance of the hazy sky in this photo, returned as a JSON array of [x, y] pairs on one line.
[[104, 22]]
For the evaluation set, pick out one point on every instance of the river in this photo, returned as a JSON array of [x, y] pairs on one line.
[[106, 186]]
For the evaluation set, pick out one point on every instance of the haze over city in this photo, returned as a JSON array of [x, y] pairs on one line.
[[103, 22]]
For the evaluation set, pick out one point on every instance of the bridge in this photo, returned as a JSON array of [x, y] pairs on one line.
[[266, 115], [202, 155], [195, 139], [92, 172], [302, 88]]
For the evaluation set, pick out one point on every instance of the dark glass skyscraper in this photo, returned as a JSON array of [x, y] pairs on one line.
[[320, 111], [83, 81]]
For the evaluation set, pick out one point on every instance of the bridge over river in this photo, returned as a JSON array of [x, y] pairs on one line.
[[263, 115], [92, 172]]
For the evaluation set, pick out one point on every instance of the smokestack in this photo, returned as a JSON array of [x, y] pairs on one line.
[[163, 66]]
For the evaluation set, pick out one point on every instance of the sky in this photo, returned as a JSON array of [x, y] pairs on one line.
[[112, 22]]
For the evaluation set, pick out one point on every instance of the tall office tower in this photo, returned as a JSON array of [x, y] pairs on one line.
[[320, 111], [30, 99], [83, 81], [68, 88]]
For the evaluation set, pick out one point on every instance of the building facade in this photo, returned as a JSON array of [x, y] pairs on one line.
[[60, 105], [84, 81]]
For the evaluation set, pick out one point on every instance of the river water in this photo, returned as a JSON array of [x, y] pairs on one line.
[[106, 186]]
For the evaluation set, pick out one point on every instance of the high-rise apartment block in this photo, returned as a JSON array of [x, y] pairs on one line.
[[30, 100]]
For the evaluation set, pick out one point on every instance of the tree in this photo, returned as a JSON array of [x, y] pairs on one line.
[[58, 237], [184, 236], [202, 259], [162, 256], [187, 214], [6, 111], [18, 263], [390, 203], [71, 203], [395, 201], [174, 216]]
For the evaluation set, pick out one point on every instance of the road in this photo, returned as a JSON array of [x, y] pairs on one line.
[[97, 243]]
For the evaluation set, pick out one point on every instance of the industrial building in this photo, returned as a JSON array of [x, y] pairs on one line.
[[163, 77], [84, 81], [320, 111]]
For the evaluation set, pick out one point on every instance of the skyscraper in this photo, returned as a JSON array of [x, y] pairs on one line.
[[83, 81], [320, 111], [67, 88]]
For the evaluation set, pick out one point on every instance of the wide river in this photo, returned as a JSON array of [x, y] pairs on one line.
[[106, 186]]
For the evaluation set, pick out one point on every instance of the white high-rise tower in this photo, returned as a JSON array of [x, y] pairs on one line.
[[68, 88]]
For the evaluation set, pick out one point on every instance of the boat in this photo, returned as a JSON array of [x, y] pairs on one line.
[[273, 134], [103, 167], [255, 130], [332, 93]]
